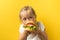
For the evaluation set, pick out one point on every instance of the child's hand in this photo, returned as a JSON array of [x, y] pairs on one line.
[[28, 30], [38, 31]]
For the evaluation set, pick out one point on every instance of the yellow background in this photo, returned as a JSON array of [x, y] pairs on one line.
[[48, 11]]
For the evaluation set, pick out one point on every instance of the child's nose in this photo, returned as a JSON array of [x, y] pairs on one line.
[[29, 21]]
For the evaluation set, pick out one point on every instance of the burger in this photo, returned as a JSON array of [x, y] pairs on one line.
[[30, 26]]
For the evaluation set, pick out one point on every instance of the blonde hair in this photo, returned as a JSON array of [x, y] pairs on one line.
[[25, 8]]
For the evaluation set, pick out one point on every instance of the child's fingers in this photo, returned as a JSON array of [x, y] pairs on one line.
[[27, 29]]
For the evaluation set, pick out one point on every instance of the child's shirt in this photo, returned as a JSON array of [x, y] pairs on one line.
[[31, 36]]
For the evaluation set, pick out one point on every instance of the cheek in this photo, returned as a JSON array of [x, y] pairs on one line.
[[24, 22], [34, 19]]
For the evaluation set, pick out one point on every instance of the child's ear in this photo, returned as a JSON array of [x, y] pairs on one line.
[[35, 16], [20, 19]]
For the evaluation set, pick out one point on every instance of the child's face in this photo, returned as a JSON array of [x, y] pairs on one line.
[[27, 16]]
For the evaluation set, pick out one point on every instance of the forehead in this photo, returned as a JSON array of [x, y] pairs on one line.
[[26, 13]]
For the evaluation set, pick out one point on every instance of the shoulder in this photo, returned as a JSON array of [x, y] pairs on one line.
[[41, 26], [21, 29]]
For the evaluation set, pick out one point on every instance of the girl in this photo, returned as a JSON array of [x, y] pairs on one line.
[[27, 15]]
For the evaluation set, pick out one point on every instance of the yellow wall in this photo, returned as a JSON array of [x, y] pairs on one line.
[[48, 12]]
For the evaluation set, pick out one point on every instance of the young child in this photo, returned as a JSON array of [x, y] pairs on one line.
[[27, 15]]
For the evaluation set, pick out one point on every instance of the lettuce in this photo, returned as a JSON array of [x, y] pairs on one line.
[[31, 27]]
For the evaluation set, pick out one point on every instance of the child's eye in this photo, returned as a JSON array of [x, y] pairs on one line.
[[30, 17], [24, 19]]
